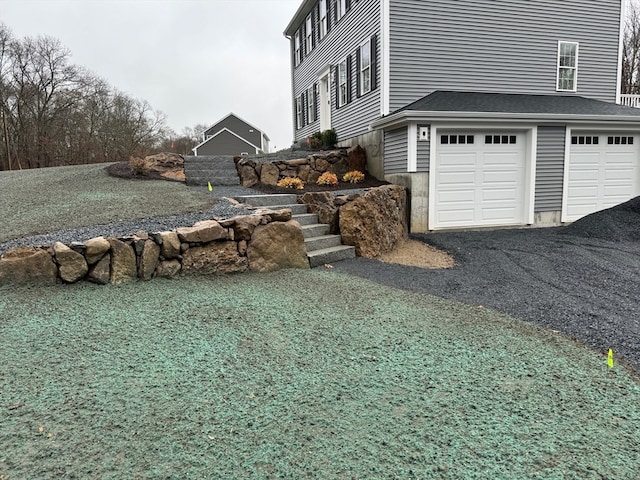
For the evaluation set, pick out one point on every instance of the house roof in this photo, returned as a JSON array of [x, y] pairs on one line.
[[459, 105], [231, 114], [225, 129], [303, 10]]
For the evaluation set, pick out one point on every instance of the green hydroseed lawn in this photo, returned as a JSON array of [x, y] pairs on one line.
[[298, 374], [49, 199]]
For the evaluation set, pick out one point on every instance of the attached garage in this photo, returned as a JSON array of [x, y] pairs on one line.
[[479, 179], [601, 171]]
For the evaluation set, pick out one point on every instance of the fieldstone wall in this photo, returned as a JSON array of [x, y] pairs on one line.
[[309, 168], [265, 241]]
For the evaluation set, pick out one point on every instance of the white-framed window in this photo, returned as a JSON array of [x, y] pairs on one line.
[[340, 8], [342, 83], [323, 18], [309, 33], [567, 67], [297, 56], [365, 68], [311, 104], [299, 112]]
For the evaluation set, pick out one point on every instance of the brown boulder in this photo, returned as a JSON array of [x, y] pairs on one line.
[[376, 221], [72, 265], [101, 271], [244, 226], [123, 262], [215, 258], [169, 244], [202, 232], [269, 174], [357, 159], [164, 162], [323, 204], [148, 259], [168, 268], [277, 245], [248, 175], [25, 265]]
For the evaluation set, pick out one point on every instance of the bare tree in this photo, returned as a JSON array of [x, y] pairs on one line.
[[631, 52]]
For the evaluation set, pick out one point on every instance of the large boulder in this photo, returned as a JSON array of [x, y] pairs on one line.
[[72, 265], [202, 232], [148, 262], [244, 226], [375, 222], [168, 268], [123, 262], [277, 245], [214, 258], [357, 159], [269, 174], [25, 265], [169, 244], [101, 271]]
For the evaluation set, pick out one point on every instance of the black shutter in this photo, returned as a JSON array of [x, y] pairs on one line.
[[314, 22], [337, 81], [328, 4], [303, 96], [358, 68], [349, 77], [303, 40], [374, 62], [347, 6], [315, 102]]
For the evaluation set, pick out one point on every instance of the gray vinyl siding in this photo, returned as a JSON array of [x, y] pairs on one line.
[[395, 151], [225, 144], [549, 169], [500, 46], [424, 150], [238, 127], [357, 26]]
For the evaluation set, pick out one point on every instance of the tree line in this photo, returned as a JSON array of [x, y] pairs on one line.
[[53, 112]]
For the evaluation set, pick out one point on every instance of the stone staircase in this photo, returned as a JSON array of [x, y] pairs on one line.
[[217, 169], [322, 247]]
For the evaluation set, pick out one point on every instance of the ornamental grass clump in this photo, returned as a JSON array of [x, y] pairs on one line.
[[291, 182], [327, 178], [354, 176]]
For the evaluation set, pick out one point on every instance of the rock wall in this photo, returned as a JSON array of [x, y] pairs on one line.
[[269, 171], [374, 222], [266, 241]]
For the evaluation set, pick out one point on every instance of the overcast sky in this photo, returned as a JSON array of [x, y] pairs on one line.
[[195, 60]]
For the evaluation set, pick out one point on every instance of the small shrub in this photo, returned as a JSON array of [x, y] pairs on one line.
[[137, 165], [329, 138], [315, 141], [354, 176], [327, 178], [291, 182]]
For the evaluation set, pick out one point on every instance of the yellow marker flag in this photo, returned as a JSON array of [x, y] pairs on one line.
[[610, 359], [209, 186]]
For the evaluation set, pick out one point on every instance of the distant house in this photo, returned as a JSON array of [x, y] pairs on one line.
[[491, 113], [232, 136]]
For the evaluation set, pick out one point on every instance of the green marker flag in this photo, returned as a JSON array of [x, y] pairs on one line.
[[209, 186], [610, 359]]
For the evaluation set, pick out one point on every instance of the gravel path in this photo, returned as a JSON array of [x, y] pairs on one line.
[[586, 288]]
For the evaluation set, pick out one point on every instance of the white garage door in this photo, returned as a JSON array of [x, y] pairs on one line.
[[602, 172], [479, 179]]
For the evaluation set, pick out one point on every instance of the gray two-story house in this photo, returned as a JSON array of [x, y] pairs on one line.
[[232, 135], [491, 112]]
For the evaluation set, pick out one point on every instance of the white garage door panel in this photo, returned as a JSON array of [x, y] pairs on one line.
[[479, 184], [602, 175]]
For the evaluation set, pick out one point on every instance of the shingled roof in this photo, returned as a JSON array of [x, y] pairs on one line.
[[449, 101]]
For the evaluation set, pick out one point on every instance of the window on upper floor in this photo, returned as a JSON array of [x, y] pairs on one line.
[[567, 67], [309, 34], [299, 112], [297, 49], [365, 68], [343, 83], [340, 7], [323, 18]]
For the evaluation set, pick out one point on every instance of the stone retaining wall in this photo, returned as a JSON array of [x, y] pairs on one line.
[[308, 168], [265, 241]]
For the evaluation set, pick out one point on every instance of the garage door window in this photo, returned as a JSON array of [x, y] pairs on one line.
[[457, 139], [584, 140], [620, 140], [500, 139]]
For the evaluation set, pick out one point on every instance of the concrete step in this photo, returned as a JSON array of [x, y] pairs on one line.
[[296, 208], [306, 218], [204, 180], [270, 200], [330, 255], [322, 242], [317, 230]]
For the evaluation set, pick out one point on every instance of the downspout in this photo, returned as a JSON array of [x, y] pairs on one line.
[[291, 96]]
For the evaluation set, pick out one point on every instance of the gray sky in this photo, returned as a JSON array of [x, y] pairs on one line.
[[195, 60]]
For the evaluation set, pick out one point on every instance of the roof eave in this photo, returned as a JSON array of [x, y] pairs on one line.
[[405, 117], [298, 17]]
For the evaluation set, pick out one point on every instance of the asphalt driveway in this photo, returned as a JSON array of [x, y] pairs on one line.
[[582, 280]]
